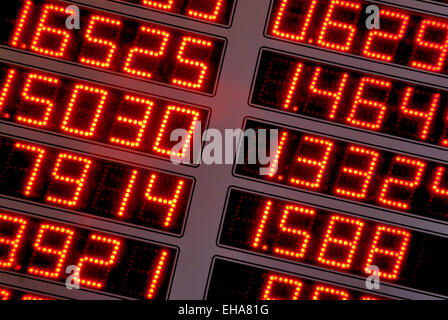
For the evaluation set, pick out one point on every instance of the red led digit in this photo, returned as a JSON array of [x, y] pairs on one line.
[[445, 139], [433, 47], [113, 246], [42, 29], [154, 281], [387, 37], [46, 231], [321, 164], [371, 104], [347, 245], [47, 104], [335, 95], [7, 87], [349, 29], [274, 166], [292, 86], [40, 155], [207, 15], [436, 188], [75, 97], [306, 236], [33, 297], [276, 29], [21, 21], [366, 175], [282, 281], [134, 52], [165, 5], [339, 294], [390, 269], [139, 123], [368, 298], [7, 258], [100, 42], [170, 110], [192, 63], [261, 226], [410, 184], [425, 117], [4, 294], [77, 182], [127, 194], [171, 203]]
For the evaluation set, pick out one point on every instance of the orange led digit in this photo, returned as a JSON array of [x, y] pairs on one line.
[[21, 22], [282, 281], [127, 194], [113, 246], [100, 43], [169, 112], [195, 64], [33, 297], [410, 184], [339, 294], [392, 39], [139, 123], [64, 36], [77, 182], [321, 163], [40, 155], [136, 51], [426, 117], [45, 232], [436, 187], [335, 95], [293, 86], [8, 258], [441, 47], [261, 226], [171, 203], [47, 104], [304, 235], [331, 241], [371, 104], [391, 269], [329, 24], [155, 280], [274, 166], [80, 89], [165, 5], [6, 89], [207, 15], [366, 175]]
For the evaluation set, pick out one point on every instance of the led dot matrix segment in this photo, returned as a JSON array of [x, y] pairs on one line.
[[147, 198], [153, 51], [256, 223], [94, 112], [303, 87], [339, 25], [328, 166], [237, 281], [106, 262], [210, 11]]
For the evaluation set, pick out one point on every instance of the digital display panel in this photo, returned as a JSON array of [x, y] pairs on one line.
[[235, 281], [351, 171], [13, 294], [211, 11], [105, 263], [406, 38], [90, 111], [144, 50], [304, 87], [147, 198], [289, 230]]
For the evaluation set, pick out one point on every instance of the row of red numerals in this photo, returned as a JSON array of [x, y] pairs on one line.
[[60, 46], [89, 127], [389, 39], [111, 245]]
